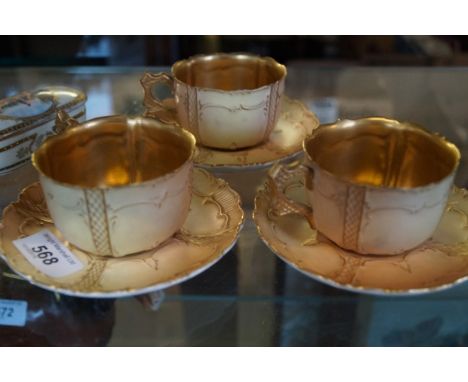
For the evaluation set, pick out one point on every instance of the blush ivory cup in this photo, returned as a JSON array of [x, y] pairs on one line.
[[228, 101], [374, 185], [116, 185]]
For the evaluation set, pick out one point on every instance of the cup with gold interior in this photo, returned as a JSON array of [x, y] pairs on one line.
[[116, 185], [375, 186], [228, 101]]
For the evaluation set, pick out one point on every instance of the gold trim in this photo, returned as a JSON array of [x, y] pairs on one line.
[[235, 56], [272, 109], [276, 155], [154, 107], [9, 168], [79, 115], [144, 272], [80, 98], [98, 221], [19, 100], [390, 124], [353, 210], [17, 143], [15, 133], [31, 137], [194, 117], [278, 247], [184, 134]]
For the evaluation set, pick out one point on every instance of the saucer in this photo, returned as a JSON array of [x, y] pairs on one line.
[[437, 264], [210, 231], [285, 142]]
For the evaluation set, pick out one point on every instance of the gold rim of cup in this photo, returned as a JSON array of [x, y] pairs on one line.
[[268, 70], [406, 145], [61, 152]]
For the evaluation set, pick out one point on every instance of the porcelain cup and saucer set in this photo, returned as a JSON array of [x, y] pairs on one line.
[[371, 209], [235, 106], [134, 205]]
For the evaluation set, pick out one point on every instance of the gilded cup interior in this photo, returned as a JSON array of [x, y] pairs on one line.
[[114, 151], [382, 152], [229, 72]]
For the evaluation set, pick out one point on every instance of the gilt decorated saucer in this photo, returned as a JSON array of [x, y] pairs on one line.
[[209, 232], [439, 263], [285, 142]]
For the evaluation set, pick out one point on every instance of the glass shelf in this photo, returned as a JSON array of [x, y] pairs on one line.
[[250, 297]]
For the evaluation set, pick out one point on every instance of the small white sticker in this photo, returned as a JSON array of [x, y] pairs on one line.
[[13, 312], [48, 254]]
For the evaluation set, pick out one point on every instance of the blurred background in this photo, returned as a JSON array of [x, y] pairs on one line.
[[164, 50]]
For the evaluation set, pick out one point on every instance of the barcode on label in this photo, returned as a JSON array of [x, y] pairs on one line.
[[46, 253]]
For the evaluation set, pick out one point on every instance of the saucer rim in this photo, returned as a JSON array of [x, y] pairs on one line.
[[121, 293], [381, 292]]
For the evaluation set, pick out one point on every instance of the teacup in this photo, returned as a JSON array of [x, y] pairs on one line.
[[117, 185], [228, 101], [375, 185]]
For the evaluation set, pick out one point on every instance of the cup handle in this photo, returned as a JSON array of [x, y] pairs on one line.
[[64, 122], [278, 178], [165, 110]]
